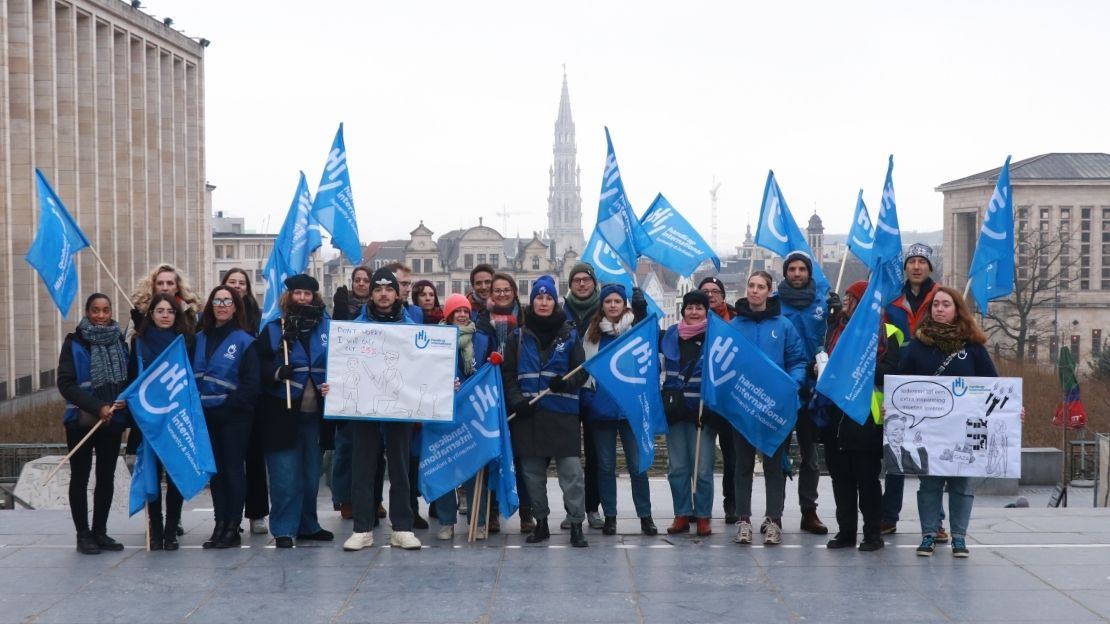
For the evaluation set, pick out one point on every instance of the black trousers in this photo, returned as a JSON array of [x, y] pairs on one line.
[[229, 484], [368, 439], [593, 492], [174, 502], [258, 491], [105, 443], [855, 480], [728, 478]]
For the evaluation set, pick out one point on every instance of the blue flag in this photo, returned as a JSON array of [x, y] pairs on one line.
[[609, 270], [293, 241], [451, 453], [778, 232], [627, 369], [992, 267], [502, 473], [616, 222], [315, 241], [275, 273], [144, 479], [166, 406], [849, 376], [886, 255], [56, 241], [675, 243], [861, 238], [334, 207], [742, 384]]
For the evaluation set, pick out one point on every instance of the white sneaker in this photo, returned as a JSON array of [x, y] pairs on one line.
[[480, 534], [258, 526], [763, 525], [743, 532], [772, 535], [404, 539], [446, 532], [358, 541]]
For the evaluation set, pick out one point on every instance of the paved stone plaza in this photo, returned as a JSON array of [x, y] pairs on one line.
[[1035, 564]]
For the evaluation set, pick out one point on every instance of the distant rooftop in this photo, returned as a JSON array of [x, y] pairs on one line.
[[1054, 166]]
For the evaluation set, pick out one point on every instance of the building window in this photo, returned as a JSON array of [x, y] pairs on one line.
[[1045, 211], [230, 252], [495, 261], [219, 252], [1031, 348], [481, 258], [456, 287], [259, 276], [523, 286], [222, 275], [535, 263], [1096, 343], [439, 289], [428, 268], [468, 261]]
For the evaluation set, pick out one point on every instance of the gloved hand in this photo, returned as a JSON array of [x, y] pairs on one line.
[[340, 298], [639, 302], [523, 409], [834, 304], [136, 318], [558, 384], [284, 372]]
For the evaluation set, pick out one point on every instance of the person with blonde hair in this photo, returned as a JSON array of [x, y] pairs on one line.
[[166, 278]]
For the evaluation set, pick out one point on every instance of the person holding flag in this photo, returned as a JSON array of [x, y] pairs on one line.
[[226, 369], [691, 430], [539, 389], [602, 412], [292, 353], [759, 318], [162, 323], [715, 290], [92, 371], [854, 451]]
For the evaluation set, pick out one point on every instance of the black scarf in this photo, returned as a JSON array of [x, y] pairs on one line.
[[546, 328], [395, 314], [773, 309], [798, 298], [913, 300], [303, 317], [154, 341]]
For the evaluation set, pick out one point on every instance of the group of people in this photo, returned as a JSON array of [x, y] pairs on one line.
[[263, 392]]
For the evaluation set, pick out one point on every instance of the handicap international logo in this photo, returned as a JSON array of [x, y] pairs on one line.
[[641, 353], [561, 346], [324, 339], [959, 386], [483, 399], [231, 350], [420, 339], [169, 379], [721, 354]]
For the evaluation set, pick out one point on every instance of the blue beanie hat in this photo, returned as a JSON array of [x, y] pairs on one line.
[[544, 285], [614, 289]]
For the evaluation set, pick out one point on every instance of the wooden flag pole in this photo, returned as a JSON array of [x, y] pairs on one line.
[[473, 525], [697, 449], [126, 297], [840, 276], [967, 287], [547, 391], [76, 448], [489, 501], [146, 507], [288, 385]]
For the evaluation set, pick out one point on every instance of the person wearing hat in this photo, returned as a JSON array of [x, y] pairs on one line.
[[682, 345], [809, 311], [905, 313], [538, 356], [368, 438], [760, 320], [292, 436], [714, 289], [854, 451], [603, 414]]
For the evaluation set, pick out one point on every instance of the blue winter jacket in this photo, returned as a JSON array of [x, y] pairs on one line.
[[775, 335]]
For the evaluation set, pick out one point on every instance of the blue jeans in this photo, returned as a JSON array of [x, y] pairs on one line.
[[447, 506], [681, 440], [605, 440], [341, 466], [930, 503], [294, 484], [893, 491]]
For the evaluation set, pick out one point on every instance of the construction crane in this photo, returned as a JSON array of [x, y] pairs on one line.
[[505, 214], [713, 213]]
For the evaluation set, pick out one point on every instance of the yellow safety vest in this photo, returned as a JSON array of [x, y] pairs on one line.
[[877, 395]]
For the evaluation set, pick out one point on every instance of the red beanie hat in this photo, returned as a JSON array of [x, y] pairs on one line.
[[857, 289], [454, 302]]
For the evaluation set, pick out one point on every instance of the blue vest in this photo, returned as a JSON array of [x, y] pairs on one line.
[[220, 376], [676, 373], [534, 376], [304, 364], [84, 378]]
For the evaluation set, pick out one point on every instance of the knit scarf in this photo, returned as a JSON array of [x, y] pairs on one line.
[[503, 319], [392, 315], [433, 316], [466, 348], [107, 357], [154, 341], [581, 307], [546, 328], [303, 317], [623, 324], [948, 338], [687, 331], [798, 298], [355, 303]]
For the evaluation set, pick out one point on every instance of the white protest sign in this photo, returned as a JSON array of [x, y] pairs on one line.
[[391, 371], [952, 426]]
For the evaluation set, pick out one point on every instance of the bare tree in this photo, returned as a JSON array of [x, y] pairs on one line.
[[1047, 263]]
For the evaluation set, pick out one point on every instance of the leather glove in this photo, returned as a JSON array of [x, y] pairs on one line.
[[284, 372], [523, 409], [136, 318], [834, 304], [639, 302], [558, 384], [340, 298]]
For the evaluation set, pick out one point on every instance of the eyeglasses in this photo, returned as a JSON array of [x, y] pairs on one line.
[[582, 280], [502, 291], [223, 302], [711, 291]]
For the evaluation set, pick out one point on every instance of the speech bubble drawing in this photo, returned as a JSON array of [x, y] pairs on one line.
[[920, 400]]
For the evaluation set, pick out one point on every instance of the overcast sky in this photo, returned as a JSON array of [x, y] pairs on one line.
[[450, 106]]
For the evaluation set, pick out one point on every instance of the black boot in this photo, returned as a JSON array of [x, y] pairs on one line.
[[647, 526], [156, 533], [86, 544], [231, 538], [180, 529], [577, 540], [610, 526], [542, 532], [217, 533]]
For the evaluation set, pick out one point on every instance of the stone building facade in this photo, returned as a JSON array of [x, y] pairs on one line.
[[109, 103]]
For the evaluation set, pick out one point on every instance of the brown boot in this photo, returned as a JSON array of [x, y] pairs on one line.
[[346, 511], [703, 527], [527, 520], [813, 524], [681, 524]]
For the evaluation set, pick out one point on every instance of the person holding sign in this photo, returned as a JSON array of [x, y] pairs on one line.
[[92, 371], [538, 357], [689, 438], [226, 368], [368, 437], [948, 342], [599, 408], [760, 320], [162, 323]]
